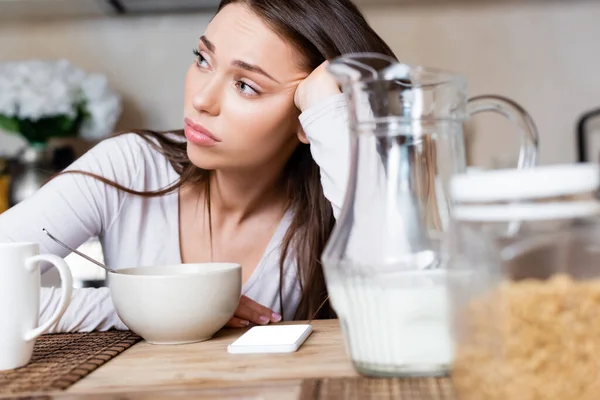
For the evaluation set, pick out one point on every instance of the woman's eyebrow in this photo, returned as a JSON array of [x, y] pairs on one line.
[[238, 63], [252, 68], [209, 45]]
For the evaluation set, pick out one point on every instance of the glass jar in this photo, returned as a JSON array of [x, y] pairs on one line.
[[524, 284]]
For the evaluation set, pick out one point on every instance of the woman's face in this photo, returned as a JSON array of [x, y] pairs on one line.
[[239, 95]]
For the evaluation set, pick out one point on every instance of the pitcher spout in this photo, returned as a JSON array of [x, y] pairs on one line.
[[356, 67]]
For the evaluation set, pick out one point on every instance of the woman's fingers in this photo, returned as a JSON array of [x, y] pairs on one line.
[[249, 310], [237, 323], [262, 310]]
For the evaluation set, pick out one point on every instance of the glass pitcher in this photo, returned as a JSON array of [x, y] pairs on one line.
[[383, 261]]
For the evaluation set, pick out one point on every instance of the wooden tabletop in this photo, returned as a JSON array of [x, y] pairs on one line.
[[207, 367]]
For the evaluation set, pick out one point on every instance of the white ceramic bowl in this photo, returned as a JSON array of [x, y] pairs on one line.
[[176, 304]]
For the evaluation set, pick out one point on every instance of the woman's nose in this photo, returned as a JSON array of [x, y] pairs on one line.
[[208, 97]]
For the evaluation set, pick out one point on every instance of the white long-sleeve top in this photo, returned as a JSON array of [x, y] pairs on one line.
[[137, 231]]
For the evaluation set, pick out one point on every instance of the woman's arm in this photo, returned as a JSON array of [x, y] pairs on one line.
[[90, 310], [326, 127], [381, 230], [74, 208]]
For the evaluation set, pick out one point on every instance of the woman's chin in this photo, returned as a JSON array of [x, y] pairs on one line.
[[203, 157]]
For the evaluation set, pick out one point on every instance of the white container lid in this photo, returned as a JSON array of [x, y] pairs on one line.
[[525, 184], [527, 212]]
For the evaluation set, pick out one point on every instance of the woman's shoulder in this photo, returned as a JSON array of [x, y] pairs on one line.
[[152, 153], [147, 142], [134, 159], [152, 146]]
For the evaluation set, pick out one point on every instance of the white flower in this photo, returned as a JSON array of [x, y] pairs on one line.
[[103, 106], [8, 92], [46, 89], [37, 89]]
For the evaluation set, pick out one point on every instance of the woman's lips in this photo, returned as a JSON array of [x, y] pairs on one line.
[[198, 134]]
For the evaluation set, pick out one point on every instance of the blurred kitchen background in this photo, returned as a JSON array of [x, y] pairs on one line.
[[541, 53]]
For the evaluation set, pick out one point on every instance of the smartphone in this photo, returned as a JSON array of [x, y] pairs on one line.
[[271, 339]]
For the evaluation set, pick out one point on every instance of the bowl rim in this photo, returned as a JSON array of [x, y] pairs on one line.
[[223, 267]]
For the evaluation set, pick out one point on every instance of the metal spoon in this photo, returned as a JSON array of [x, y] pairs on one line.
[[98, 263]]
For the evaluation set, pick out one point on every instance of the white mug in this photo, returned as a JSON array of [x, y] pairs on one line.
[[20, 285]]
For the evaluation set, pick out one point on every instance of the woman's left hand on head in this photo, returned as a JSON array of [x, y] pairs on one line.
[[318, 86]]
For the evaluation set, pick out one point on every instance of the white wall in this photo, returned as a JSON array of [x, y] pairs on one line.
[[542, 55], [545, 56]]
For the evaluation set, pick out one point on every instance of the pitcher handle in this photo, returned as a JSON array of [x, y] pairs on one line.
[[32, 265], [528, 155]]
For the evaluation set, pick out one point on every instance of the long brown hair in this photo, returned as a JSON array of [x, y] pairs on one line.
[[319, 30]]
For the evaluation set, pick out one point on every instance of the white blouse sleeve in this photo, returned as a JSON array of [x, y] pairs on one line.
[[326, 127]]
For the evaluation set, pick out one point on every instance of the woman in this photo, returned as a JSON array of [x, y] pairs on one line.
[[255, 177]]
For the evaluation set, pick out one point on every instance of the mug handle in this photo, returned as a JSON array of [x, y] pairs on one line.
[[32, 264], [528, 155]]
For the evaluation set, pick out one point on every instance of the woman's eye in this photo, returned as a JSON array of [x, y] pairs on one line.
[[246, 89], [200, 59]]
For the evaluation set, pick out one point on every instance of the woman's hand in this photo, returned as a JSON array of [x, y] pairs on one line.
[[318, 86], [249, 311]]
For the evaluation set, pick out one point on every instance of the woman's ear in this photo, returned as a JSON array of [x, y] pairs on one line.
[[302, 135]]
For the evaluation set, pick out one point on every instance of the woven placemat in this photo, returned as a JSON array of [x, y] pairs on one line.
[[60, 360], [381, 389]]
